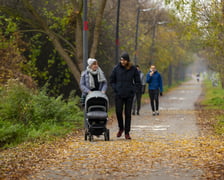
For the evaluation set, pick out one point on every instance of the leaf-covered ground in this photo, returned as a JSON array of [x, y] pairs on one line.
[[196, 157], [78, 159]]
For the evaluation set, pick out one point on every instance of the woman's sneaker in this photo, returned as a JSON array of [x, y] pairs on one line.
[[157, 113], [153, 113]]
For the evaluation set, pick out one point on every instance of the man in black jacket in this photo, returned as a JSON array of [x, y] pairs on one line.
[[124, 80]]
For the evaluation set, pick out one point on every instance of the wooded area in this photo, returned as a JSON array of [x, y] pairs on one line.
[[41, 60], [41, 42]]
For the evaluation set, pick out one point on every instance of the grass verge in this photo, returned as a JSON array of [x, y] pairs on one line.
[[213, 102]]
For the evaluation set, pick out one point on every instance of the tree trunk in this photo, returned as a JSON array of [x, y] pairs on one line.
[[77, 6], [221, 71], [96, 33], [37, 22], [74, 69], [222, 79], [222, 9], [79, 42]]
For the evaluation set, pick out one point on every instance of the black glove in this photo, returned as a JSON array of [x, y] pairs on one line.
[[161, 94]]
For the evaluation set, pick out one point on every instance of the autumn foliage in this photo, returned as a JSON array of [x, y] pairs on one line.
[[12, 62]]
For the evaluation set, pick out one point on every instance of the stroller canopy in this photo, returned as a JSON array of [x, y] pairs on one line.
[[97, 98]]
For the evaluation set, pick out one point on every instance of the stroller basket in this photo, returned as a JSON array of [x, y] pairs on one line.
[[97, 108], [97, 115], [97, 112]]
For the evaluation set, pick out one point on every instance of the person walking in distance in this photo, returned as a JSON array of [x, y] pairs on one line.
[[155, 87], [198, 77], [136, 106], [124, 80]]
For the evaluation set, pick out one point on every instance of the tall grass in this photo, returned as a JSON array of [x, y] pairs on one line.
[[214, 99], [214, 96], [27, 115]]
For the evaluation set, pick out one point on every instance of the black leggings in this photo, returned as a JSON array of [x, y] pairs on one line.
[[154, 99]]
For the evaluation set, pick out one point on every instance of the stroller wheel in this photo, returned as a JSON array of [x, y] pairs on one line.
[[90, 137], [107, 135], [86, 135]]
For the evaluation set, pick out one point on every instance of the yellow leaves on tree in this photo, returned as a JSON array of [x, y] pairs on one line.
[[11, 61]]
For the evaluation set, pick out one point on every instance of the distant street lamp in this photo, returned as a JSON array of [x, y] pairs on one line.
[[136, 33], [151, 51], [85, 34], [117, 43]]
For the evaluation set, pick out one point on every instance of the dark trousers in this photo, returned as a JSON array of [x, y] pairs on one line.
[[154, 99], [137, 102], [125, 103]]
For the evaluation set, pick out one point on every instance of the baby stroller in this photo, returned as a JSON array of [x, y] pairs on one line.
[[96, 117]]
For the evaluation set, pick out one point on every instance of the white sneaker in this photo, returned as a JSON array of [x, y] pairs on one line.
[[153, 113], [157, 113]]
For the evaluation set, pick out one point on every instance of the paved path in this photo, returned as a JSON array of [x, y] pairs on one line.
[[177, 119], [142, 157], [177, 114]]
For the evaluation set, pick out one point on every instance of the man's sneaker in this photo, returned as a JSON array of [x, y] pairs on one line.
[[119, 133], [137, 113], [127, 136], [133, 113], [154, 113], [157, 113]]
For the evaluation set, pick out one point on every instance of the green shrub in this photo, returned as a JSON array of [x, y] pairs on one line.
[[14, 101], [11, 133], [27, 115]]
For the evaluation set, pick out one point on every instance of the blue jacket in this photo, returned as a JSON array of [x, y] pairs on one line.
[[154, 81]]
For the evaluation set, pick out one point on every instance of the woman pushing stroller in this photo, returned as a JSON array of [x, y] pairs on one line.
[[92, 79]]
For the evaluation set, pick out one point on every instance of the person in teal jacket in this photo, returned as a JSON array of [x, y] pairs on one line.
[[155, 87]]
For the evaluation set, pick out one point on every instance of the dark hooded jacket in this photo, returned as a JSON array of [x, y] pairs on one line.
[[125, 81]]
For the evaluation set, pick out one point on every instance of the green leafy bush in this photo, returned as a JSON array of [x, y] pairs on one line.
[[11, 133], [27, 114]]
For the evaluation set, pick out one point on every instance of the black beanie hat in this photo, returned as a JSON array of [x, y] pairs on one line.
[[125, 56]]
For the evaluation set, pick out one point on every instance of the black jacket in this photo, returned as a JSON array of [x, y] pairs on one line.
[[125, 81]]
